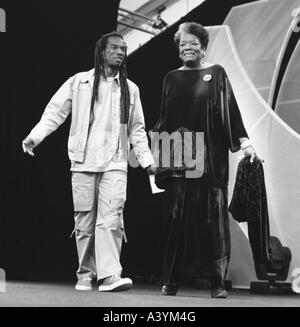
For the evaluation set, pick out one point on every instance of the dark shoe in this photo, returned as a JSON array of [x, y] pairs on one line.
[[217, 288], [169, 289], [219, 293]]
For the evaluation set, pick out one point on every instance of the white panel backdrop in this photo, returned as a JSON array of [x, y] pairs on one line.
[[275, 142]]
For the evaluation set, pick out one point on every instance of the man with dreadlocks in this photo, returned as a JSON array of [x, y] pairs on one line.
[[106, 116]]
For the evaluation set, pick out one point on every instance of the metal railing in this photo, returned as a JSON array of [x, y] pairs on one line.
[[140, 22]]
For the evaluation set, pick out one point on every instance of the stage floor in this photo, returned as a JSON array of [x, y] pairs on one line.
[[25, 294]]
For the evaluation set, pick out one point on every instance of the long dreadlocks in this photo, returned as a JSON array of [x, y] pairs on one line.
[[100, 71]]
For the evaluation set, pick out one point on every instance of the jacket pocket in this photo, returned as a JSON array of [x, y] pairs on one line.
[[83, 86]]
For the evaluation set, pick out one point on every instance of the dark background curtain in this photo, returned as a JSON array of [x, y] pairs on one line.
[[45, 43]]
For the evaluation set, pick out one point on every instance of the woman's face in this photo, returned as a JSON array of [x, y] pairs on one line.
[[190, 50]]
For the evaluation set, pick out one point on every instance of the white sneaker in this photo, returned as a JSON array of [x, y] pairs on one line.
[[115, 284], [84, 284]]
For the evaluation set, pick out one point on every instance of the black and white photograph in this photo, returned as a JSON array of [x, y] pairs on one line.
[[150, 154]]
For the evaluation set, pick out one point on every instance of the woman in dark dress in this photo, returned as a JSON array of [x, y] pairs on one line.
[[198, 104]]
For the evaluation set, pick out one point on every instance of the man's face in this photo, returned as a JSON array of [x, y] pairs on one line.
[[115, 51], [190, 49]]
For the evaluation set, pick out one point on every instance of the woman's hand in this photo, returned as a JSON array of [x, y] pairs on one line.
[[250, 152]]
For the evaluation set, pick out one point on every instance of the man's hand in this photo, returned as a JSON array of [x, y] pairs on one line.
[[28, 146], [151, 170]]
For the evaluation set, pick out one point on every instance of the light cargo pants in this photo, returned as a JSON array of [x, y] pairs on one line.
[[99, 200]]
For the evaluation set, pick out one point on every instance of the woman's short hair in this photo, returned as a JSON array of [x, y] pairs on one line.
[[195, 29]]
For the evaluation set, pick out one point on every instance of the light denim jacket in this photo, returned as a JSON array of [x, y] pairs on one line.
[[74, 97]]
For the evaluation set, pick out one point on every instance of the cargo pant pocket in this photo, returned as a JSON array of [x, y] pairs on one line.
[[83, 189]]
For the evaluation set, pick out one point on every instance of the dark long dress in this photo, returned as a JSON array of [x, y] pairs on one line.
[[196, 226]]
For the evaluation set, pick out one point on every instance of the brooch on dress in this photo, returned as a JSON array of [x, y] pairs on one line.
[[207, 77]]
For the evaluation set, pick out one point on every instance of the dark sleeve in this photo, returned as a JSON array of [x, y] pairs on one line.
[[159, 126], [232, 118], [157, 129]]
